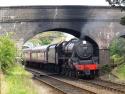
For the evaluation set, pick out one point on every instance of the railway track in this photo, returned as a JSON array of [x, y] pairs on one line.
[[59, 85], [98, 84], [113, 78], [119, 88]]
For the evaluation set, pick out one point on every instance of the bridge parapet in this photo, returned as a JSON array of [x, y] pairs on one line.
[[59, 13]]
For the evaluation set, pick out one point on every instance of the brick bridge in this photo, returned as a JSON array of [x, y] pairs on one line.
[[99, 24]]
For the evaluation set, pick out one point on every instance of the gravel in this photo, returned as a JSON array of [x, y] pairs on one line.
[[42, 88]]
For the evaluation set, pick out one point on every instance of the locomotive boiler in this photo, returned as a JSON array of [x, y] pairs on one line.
[[72, 58]]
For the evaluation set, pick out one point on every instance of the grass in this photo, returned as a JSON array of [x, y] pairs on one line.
[[14, 79], [19, 81], [120, 71]]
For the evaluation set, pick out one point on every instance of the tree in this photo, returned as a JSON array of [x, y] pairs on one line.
[[117, 50], [47, 38], [117, 2], [121, 4]]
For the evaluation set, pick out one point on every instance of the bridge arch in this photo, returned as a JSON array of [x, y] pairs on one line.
[[74, 33]]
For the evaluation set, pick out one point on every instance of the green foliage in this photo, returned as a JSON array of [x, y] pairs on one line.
[[114, 3], [7, 53], [106, 69], [45, 41], [121, 71], [117, 51], [17, 69], [47, 38], [19, 81], [118, 59], [41, 41], [118, 47]]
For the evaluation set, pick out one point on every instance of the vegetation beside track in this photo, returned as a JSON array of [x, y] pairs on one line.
[[7, 53], [46, 38], [19, 81], [120, 72], [14, 79], [117, 53]]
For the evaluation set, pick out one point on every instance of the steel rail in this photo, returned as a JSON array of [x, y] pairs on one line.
[[114, 87], [107, 85], [59, 85]]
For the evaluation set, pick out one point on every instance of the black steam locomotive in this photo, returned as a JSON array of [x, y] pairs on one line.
[[72, 58]]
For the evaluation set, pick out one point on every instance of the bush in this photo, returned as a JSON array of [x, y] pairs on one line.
[[106, 69], [7, 53], [17, 80], [117, 51], [118, 59]]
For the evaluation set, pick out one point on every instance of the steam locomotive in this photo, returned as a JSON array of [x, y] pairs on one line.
[[72, 58]]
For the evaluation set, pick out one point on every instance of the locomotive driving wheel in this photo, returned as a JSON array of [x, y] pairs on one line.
[[63, 72]]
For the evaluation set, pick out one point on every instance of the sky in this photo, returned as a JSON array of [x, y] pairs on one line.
[[68, 36], [52, 2]]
